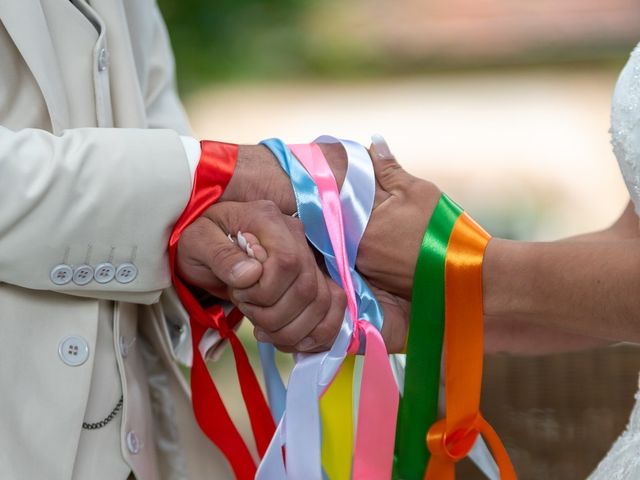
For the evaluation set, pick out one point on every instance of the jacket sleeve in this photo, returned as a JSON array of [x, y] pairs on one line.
[[90, 197]]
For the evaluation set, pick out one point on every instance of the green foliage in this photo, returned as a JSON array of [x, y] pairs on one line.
[[231, 39]]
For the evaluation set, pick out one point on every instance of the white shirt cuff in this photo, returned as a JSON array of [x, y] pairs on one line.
[[192, 149]]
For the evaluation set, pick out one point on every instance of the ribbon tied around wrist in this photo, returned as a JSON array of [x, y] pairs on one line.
[[339, 418]]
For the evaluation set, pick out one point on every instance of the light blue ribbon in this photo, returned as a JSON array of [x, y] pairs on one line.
[[300, 430]]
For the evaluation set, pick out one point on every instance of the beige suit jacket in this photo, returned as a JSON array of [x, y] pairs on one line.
[[92, 181]]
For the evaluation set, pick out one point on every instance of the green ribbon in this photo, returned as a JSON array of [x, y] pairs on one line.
[[418, 408]]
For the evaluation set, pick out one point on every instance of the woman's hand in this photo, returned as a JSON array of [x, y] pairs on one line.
[[389, 250]]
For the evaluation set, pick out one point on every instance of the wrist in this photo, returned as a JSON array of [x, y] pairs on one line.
[[258, 176], [508, 273]]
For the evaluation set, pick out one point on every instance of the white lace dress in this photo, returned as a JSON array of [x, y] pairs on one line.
[[623, 460]]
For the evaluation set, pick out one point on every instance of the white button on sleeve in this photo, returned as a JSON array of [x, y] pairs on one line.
[[61, 274], [103, 60], [82, 274], [124, 344], [133, 444], [126, 273], [104, 272], [73, 350]]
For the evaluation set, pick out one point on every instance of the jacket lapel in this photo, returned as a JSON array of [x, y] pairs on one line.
[[26, 24]]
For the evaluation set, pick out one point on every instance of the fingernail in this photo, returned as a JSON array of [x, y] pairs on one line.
[[381, 147], [242, 241], [306, 344], [250, 251], [241, 268], [261, 336]]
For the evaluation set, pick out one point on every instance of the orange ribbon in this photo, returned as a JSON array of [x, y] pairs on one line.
[[451, 438]]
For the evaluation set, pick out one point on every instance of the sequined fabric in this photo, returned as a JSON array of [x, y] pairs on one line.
[[625, 125], [623, 460]]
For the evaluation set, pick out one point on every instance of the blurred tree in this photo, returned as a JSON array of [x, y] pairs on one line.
[[234, 38]]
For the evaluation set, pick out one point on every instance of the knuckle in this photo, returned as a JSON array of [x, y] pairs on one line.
[[261, 317], [296, 227], [268, 295], [267, 207], [339, 297], [306, 287], [324, 333], [267, 321], [287, 262]]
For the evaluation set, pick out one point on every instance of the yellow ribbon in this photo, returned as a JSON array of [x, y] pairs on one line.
[[336, 412]]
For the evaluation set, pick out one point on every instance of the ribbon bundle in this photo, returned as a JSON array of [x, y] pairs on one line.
[[337, 417], [446, 304]]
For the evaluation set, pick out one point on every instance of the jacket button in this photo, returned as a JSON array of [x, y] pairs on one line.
[[83, 274], [104, 272], [103, 60], [126, 273], [61, 274], [73, 350], [133, 444], [124, 345]]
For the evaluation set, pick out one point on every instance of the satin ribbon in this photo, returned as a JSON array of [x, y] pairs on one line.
[[339, 404], [451, 438], [419, 404], [299, 427], [373, 455], [356, 199], [214, 171], [336, 409]]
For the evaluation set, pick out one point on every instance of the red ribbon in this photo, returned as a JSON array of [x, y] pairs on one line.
[[215, 169]]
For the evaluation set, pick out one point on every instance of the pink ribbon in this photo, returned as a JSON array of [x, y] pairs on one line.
[[379, 396]]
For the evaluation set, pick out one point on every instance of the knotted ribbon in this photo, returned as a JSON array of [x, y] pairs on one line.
[[374, 439], [216, 166], [451, 438], [447, 301], [299, 429]]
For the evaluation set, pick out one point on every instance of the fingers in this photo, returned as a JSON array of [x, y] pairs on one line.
[[308, 314], [276, 246], [396, 320], [316, 328], [208, 259], [250, 244], [389, 174], [305, 298]]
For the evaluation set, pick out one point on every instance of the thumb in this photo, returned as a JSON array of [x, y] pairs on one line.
[[229, 262], [388, 171]]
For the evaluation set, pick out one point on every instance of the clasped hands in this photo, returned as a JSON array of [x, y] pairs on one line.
[[280, 285]]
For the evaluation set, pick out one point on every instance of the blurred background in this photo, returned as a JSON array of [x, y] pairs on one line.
[[503, 103]]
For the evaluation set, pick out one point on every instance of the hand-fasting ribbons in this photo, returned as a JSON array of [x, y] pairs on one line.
[[450, 439], [373, 453], [419, 404], [319, 208], [299, 428], [449, 267], [214, 171]]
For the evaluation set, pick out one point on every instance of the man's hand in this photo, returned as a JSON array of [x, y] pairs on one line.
[[389, 249], [258, 176], [289, 300]]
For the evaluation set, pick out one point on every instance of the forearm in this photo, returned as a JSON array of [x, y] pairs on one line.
[[579, 287]]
